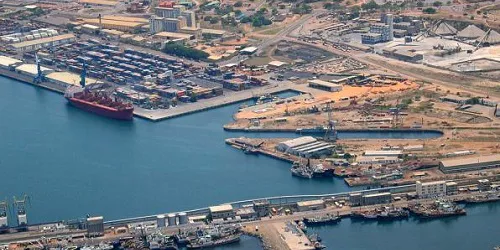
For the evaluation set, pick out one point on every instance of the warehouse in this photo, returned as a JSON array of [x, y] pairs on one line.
[[396, 153], [323, 85], [248, 50], [470, 164], [379, 198], [377, 159], [222, 212], [43, 43], [306, 146], [310, 205], [106, 3], [115, 24], [8, 62]]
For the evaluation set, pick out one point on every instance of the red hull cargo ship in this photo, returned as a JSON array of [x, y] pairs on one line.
[[99, 103]]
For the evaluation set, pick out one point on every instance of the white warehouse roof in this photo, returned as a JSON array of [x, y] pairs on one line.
[[298, 141]]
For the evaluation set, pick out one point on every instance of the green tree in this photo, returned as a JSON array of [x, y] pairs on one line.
[[274, 11], [372, 5], [420, 4], [437, 4], [176, 49], [238, 4], [429, 11]]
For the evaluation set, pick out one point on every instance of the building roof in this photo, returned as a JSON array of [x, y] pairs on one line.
[[325, 83], [310, 203], [42, 40], [213, 31], [469, 161], [492, 37], [69, 78], [299, 141], [221, 208], [8, 61], [376, 194], [96, 218], [245, 211], [90, 26], [99, 2], [277, 63], [444, 29], [114, 22], [112, 32], [431, 183], [126, 19], [166, 34], [383, 152], [471, 31], [249, 49]]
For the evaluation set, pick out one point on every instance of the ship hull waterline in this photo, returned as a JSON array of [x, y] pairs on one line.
[[125, 114]]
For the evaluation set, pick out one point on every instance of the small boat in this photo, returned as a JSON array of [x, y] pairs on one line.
[[321, 220], [207, 241]]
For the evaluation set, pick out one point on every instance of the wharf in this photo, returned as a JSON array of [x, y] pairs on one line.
[[29, 80], [202, 105]]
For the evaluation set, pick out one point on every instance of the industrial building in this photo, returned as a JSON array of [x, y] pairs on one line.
[[9, 63], [176, 37], [222, 212], [324, 85], [451, 188], [246, 213], [310, 205], [306, 146], [172, 19], [121, 23], [470, 164], [261, 207], [431, 189], [95, 226], [378, 198], [379, 32], [105, 3], [43, 43], [367, 160], [248, 50], [403, 55], [388, 153]]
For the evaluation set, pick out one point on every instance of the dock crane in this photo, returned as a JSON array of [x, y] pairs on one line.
[[331, 132], [39, 75], [20, 206]]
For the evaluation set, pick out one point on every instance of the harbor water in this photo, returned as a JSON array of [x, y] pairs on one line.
[[72, 163]]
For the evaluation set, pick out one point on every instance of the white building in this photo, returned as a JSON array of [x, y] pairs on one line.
[[431, 189], [377, 160], [396, 153], [310, 205], [222, 212]]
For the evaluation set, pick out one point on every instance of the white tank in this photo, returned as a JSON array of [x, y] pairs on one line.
[[183, 218], [160, 221], [171, 220]]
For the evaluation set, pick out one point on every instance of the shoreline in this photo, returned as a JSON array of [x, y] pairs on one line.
[[367, 130]]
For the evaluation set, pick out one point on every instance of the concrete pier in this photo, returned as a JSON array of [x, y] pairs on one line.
[[206, 104]]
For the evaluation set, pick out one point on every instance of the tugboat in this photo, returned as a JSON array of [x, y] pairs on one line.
[[388, 213], [438, 209], [321, 220]]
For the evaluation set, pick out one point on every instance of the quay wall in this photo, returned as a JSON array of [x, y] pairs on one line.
[[277, 201], [375, 130], [29, 80]]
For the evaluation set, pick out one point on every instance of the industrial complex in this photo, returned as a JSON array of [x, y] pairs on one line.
[[399, 98]]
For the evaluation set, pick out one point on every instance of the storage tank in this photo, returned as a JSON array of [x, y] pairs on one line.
[[183, 218], [171, 220], [160, 221]]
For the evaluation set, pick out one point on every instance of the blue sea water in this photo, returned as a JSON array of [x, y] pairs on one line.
[[72, 163]]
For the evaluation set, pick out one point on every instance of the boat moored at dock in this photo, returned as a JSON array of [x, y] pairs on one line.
[[438, 209]]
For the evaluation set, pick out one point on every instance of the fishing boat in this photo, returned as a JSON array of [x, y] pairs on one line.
[[438, 209], [321, 220]]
